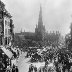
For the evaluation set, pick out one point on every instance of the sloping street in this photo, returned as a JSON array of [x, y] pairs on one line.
[[22, 63]]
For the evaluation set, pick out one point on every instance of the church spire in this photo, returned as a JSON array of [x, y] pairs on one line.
[[40, 14], [40, 28], [40, 22]]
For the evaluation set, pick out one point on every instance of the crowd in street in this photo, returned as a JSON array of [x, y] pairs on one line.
[[61, 60], [32, 68], [7, 63]]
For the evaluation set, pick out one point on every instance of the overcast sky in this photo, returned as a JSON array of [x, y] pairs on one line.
[[56, 14]]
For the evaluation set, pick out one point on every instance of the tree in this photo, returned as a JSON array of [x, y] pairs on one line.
[[68, 39]]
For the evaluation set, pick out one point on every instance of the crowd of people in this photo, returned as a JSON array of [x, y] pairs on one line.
[[60, 58], [32, 68], [9, 64]]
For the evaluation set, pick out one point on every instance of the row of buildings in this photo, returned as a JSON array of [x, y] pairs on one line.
[[8, 55], [6, 25]]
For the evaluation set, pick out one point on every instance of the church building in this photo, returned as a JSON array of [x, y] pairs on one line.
[[40, 28], [39, 33]]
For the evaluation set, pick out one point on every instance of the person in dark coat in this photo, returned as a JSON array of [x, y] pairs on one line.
[[31, 68], [13, 69], [1, 67], [17, 69], [35, 69]]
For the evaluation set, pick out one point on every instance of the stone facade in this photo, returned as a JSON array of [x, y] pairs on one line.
[[6, 25]]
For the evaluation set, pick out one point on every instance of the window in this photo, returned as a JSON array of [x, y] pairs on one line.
[[0, 28], [5, 31], [0, 16], [8, 23], [5, 22], [8, 31]]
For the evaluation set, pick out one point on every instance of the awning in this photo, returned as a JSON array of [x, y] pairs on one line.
[[7, 52]]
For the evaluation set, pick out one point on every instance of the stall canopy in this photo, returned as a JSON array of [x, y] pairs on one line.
[[7, 52]]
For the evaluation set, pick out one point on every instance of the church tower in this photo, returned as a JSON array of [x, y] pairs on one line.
[[40, 22], [40, 28]]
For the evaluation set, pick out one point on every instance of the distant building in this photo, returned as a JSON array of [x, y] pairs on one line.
[[6, 25], [40, 28], [38, 35]]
